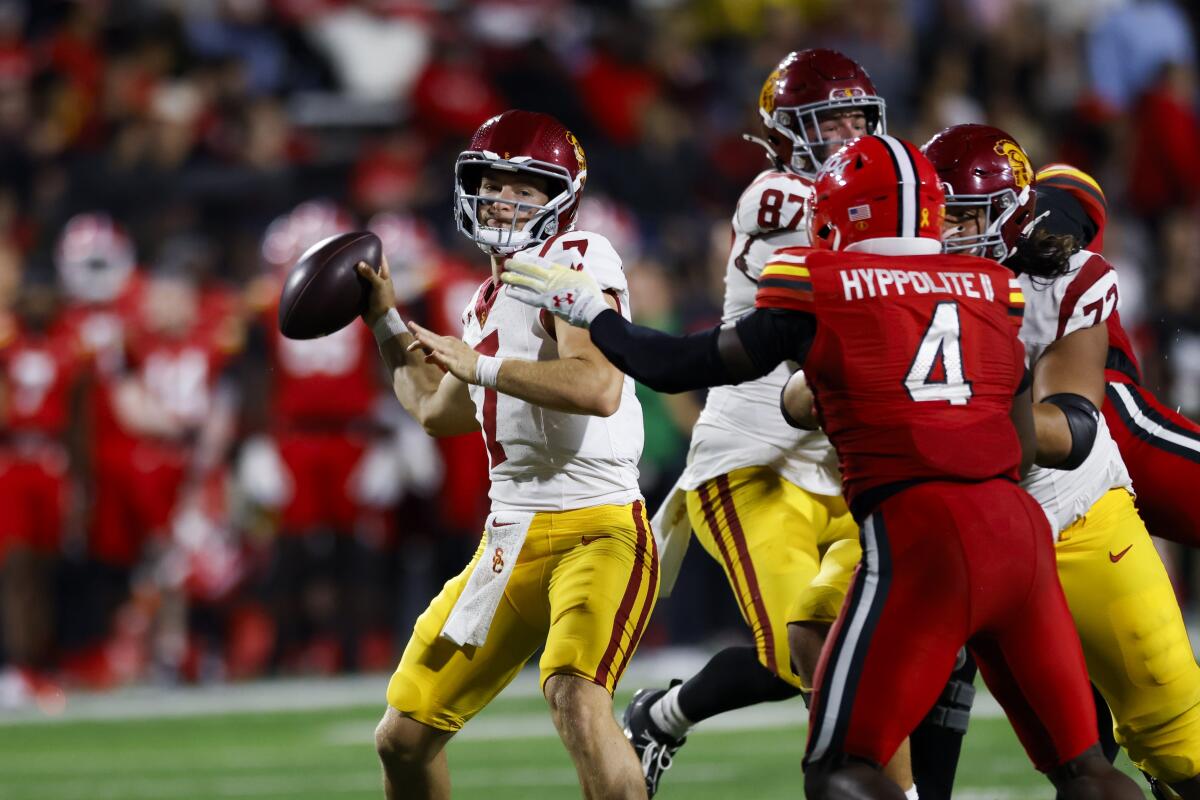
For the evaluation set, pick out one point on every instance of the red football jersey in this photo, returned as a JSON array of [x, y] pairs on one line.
[[914, 363], [38, 371], [327, 382], [181, 374]]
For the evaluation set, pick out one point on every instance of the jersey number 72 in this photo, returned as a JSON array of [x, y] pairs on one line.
[[939, 348]]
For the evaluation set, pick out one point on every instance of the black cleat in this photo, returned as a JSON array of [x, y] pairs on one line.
[[655, 749]]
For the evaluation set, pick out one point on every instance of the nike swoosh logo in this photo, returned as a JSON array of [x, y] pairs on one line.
[[506, 524], [1118, 556], [589, 539]]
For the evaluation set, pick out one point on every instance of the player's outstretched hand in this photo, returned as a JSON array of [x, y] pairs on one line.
[[574, 296], [451, 354], [382, 297]]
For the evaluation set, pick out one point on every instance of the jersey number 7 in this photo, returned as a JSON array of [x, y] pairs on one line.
[[936, 372]]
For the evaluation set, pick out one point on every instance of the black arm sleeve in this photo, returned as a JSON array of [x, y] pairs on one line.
[[666, 363]]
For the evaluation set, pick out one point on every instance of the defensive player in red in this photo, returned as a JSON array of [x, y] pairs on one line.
[[40, 363], [920, 382], [1152, 684], [763, 499]]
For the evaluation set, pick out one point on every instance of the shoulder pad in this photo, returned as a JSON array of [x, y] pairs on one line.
[[590, 252], [1090, 295], [775, 201], [786, 281]]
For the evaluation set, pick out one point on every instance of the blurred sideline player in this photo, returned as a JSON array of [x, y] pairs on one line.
[[101, 288], [40, 363], [1120, 596], [920, 381], [567, 559], [177, 402], [325, 467], [1160, 447], [763, 498]]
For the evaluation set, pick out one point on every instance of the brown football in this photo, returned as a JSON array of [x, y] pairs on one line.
[[323, 293]]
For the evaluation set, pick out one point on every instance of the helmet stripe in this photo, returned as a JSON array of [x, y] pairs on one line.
[[908, 194]]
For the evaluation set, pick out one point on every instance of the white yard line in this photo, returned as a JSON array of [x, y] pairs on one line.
[[312, 694]]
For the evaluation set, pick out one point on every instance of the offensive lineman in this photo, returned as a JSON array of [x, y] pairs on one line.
[[567, 559]]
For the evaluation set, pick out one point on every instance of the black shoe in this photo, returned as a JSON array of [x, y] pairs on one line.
[[654, 749]]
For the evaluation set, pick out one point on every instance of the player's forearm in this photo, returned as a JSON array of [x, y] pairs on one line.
[[573, 385], [416, 385], [659, 360]]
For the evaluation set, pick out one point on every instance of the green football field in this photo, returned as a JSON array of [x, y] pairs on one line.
[[187, 751]]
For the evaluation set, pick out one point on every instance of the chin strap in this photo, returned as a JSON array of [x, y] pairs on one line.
[[771, 154]]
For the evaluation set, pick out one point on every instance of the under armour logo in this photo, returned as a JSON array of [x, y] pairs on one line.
[[570, 298], [557, 302], [498, 560]]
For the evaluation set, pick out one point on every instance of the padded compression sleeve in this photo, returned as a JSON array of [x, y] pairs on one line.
[[1083, 420], [714, 357]]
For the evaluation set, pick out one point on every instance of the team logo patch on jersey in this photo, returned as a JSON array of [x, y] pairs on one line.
[[860, 213], [1017, 160]]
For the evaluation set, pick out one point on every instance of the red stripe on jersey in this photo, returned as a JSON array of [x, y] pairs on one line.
[[639, 522], [623, 611], [550, 243], [1092, 271], [739, 540]]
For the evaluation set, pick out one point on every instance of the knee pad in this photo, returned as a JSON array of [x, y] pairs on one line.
[[953, 709]]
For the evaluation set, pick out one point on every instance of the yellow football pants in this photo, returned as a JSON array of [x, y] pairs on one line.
[[1133, 636], [584, 585], [770, 537]]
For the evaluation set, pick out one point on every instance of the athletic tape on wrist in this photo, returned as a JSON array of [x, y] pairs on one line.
[[487, 371], [389, 326]]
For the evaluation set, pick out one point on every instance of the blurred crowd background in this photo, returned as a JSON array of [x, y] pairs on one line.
[[187, 496]]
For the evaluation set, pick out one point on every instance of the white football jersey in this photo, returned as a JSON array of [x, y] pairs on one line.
[[741, 426], [1085, 296], [540, 459]]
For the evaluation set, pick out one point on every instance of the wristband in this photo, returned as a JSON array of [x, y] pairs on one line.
[[389, 326], [487, 371]]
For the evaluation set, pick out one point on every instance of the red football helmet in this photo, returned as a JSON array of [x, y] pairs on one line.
[[411, 247], [526, 142], [94, 257], [873, 188], [288, 236], [805, 85], [984, 167]]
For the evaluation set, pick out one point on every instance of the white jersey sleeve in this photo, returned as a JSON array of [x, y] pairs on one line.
[[741, 426], [1082, 298]]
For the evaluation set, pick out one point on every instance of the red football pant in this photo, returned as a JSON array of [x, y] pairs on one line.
[[1161, 449], [947, 564], [33, 498], [136, 493], [320, 464]]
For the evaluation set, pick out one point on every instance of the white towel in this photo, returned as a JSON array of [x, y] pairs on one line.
[[672, 532], [471, 616]]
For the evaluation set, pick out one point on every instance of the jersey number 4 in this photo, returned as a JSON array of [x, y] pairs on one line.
[[936, 372]]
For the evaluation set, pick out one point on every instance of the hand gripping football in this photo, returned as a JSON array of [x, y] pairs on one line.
[[323, 293]]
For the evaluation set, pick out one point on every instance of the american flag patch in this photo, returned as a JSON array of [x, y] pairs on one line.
[[859, 213]]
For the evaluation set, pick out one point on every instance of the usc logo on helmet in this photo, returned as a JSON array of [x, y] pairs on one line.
[[579, 156], [766, 97], [1022, 170]]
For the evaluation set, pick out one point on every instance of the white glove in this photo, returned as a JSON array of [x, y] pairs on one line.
[[573, 295], [378, 479]]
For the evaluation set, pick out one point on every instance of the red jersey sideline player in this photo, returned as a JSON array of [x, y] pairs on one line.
[[914, 363]]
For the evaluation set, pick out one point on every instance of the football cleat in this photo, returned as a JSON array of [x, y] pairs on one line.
[[655, 749]]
